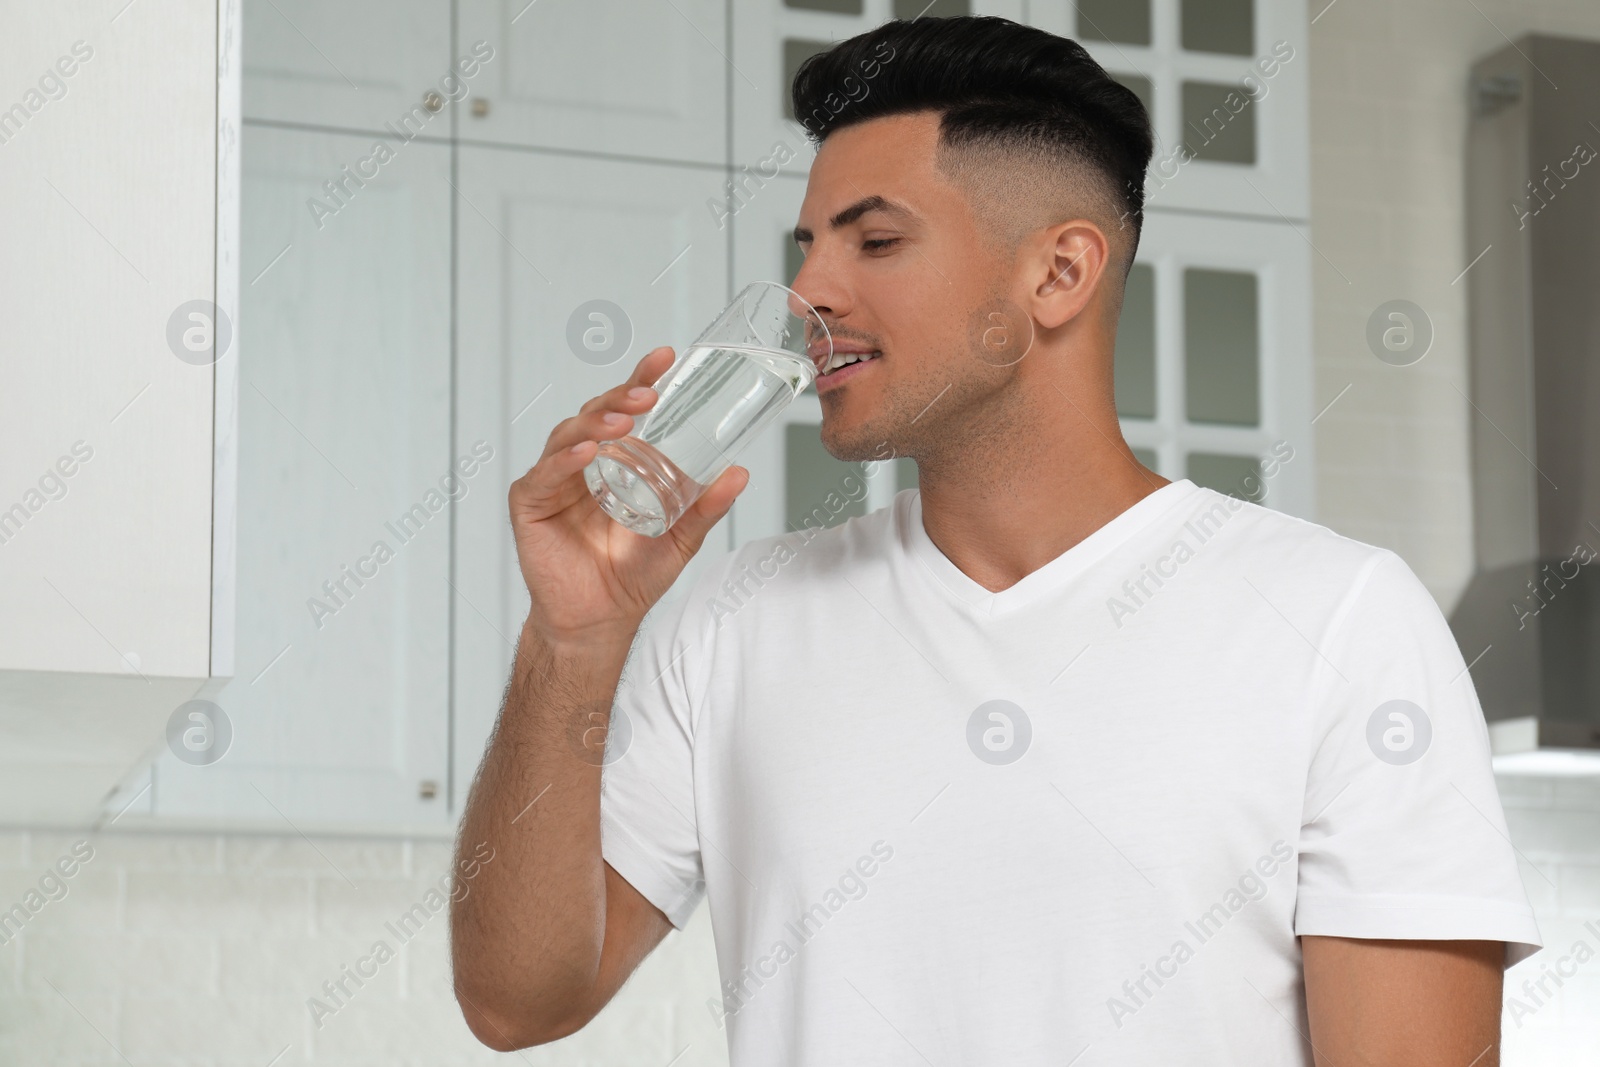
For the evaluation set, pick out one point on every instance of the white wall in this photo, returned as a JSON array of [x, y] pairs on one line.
[[1388, 124]]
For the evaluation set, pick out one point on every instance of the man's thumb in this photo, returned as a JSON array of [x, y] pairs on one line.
[[707, 511]]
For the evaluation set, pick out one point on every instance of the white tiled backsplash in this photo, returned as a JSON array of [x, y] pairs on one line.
[[172, 950]]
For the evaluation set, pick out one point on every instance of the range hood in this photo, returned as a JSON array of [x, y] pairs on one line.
[[1529, 622]]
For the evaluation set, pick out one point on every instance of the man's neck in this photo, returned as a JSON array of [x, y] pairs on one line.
[[1002, 509]]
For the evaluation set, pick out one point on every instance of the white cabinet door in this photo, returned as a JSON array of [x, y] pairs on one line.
[[119, 209], [542, 237], [1232, 88], [1252, 148], [339, 705], [615, 76], [763, 248], [356, 63], [791, 475], [110, 224], [1225, 375], [771, 38], [760, 252]]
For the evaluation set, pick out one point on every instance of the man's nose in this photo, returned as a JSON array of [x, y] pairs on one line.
[[818, 289]]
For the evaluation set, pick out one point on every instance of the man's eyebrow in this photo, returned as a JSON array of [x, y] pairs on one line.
[[856, 210]]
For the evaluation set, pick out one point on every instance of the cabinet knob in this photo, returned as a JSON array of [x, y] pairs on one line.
[[432, 100], [427, 789], [480, 107]]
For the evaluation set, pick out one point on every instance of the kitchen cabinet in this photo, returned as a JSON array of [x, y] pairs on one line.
[[339, 707], [356, 64], [606, 76], [553, 248], [1227, 84], [791, 474], [771, 38], [406, 351], [118, 201], [1218, 339]]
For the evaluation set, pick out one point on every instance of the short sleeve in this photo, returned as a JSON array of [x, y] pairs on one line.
[[648, 828], [1403, 835]]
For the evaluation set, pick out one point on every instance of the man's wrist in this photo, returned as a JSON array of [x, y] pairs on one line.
[[599, 648]]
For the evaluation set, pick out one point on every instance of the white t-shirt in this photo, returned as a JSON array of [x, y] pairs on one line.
[[1085, 816]]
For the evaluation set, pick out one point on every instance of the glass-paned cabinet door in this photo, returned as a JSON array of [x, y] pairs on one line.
[[616, 76], [571, 269], [771, 38], [1213, 375], [1227, 86], [355, 64], [794, 481], [338, 712]]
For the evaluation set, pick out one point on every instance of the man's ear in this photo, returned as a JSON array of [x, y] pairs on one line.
[[1071, 259]]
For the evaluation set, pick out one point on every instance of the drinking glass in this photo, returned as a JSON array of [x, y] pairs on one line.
[[723, 390]]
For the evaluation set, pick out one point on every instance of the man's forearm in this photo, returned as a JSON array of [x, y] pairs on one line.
[[526, 939]]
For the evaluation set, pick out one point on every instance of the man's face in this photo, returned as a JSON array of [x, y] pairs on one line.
[[905, 272]]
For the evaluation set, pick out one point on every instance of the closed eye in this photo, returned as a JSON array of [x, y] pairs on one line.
[[880, 243]]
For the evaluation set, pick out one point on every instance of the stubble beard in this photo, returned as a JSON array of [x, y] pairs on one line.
[[931, 419]]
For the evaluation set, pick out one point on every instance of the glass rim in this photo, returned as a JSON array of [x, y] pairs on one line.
[[827, 334]]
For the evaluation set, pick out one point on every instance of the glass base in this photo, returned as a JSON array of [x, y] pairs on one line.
[[639, 487]]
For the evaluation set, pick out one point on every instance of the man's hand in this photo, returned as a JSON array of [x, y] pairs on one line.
[[588, 577], [1374, 1003]]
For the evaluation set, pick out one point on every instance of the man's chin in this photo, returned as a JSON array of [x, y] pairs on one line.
[[853, 445]]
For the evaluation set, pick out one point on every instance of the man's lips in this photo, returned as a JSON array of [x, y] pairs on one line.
[[827, 382]]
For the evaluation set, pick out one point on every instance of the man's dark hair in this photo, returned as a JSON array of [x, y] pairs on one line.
[[1001, 88]]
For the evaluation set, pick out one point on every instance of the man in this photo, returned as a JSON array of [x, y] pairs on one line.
[[1054, 760]]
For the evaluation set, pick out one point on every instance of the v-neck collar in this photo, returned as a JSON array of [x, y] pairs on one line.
[[1051, 577]]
